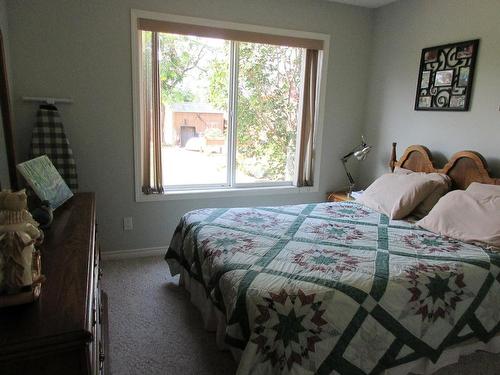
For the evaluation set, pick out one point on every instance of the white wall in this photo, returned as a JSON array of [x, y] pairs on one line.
[[401, 31], [81, 49]]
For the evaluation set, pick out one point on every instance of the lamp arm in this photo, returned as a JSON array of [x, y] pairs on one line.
[[344, 163], [347, 156]]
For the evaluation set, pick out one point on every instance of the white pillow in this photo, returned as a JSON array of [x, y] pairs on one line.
[[463, 216], [483, 190], [442, 187], [397, 195]]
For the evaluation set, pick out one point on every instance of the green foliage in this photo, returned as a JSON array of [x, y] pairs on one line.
[[268, 96], [179, 54], [218, 93]]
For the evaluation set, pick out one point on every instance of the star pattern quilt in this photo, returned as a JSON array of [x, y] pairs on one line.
[[336, 288]]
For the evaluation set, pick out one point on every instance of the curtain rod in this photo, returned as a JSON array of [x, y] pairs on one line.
[[47, 100]]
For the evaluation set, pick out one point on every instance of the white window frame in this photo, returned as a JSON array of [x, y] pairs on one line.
[[236, 189]]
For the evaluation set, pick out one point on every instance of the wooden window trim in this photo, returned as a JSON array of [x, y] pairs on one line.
[[237, 191], [227, 34]]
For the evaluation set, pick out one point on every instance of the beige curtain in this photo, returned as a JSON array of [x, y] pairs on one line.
[[152, 178], [306, 147]]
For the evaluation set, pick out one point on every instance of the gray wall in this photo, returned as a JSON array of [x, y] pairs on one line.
[[4, 168], [81, 49], [401, 31]]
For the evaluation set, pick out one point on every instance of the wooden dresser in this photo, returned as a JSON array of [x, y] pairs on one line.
[[64, 332]]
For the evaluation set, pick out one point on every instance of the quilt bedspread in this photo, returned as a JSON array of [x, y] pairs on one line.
[[336, 287]]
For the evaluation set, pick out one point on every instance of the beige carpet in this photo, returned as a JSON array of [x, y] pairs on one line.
[[154, 329]]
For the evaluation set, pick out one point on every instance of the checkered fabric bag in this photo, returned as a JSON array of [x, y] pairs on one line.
[[49, 139]]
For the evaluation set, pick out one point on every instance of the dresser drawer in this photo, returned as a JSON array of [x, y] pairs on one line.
[[98, 343]]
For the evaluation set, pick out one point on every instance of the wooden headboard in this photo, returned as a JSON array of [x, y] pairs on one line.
[[464, 167]]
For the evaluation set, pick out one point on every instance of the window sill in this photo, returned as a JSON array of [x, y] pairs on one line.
[[223, 193]]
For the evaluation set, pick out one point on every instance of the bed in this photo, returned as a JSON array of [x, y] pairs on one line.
[[339, 288]]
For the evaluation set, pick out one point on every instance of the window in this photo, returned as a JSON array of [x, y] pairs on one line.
[[224, 108]]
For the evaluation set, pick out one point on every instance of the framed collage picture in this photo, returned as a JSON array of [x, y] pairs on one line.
[[445, 77]]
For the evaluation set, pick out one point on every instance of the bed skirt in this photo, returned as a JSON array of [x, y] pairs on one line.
[[214, 321]]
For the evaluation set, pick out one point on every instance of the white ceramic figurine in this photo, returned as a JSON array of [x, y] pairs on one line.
[[20, 277]]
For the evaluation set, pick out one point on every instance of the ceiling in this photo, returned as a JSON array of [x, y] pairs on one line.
[[365, 3]]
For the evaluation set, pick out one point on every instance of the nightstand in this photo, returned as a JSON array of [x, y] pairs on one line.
[[339, 196]]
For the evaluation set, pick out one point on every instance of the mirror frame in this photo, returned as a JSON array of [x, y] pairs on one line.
[[7, 118]]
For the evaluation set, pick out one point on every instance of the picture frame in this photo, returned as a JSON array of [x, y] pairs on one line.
[[457, 101], [425, 101], [464, 51], [431, 55], [424, 82], [445, 77], [463, 76], [45, 180]]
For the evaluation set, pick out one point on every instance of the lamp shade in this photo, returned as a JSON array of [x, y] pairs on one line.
[[362, 153]]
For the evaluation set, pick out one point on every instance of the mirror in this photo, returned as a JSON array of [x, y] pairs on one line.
[[8, 174]]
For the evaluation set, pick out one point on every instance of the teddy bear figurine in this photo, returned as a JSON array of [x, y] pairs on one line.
[[20, 271]]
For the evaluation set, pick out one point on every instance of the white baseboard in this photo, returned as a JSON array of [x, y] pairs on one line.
[[133, 253]]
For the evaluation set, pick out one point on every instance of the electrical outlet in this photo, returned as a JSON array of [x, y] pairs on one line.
[[127, 223]]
